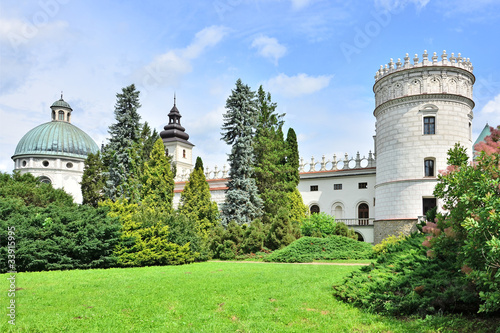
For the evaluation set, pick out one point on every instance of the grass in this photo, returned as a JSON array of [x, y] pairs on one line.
[[201, 297]]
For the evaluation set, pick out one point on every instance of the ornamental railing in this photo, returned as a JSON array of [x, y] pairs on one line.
[[356, 221]]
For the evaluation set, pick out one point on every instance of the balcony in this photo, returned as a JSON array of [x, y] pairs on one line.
[[356, 221]]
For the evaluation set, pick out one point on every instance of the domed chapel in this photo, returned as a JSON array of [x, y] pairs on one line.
[[55, 151]]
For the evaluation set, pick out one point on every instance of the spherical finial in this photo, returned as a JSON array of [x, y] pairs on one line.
[[425, 51]]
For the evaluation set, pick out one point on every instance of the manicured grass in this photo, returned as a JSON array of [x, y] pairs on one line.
[[201, 297]]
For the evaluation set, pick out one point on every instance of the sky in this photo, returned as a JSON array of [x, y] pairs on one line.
[[317, 58]]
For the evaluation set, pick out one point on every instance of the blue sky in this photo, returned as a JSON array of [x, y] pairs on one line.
[[317, 58]]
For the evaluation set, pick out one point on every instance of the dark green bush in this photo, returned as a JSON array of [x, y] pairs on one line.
[[404, 281], [57, 237], [307, 249]]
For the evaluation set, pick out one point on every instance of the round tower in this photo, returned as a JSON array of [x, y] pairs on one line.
[[422, 110]]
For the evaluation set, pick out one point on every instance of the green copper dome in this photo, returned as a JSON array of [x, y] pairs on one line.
[[61, 103], [56, 138]]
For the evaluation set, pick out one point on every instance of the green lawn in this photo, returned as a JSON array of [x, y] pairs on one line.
[[201, 297]]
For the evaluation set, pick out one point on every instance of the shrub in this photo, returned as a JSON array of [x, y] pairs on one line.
[[58, 237], [283, 231], [307, 249], [324, 225], [381, 247], [404, 281]]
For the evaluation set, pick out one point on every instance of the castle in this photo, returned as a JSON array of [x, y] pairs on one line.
[[421, 109]]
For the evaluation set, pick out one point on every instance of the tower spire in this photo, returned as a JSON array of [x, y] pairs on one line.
[[61, 95], [174, 98]]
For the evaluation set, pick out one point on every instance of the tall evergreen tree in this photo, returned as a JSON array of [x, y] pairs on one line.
[[157, 180], [243, 203], [292, 159], [270, 156], [93, 180], [196, 201], [124, 133]]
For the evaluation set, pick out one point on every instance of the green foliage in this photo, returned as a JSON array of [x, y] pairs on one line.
[[405, 281], [157, 179], [243, 203], [196, 201], [93, 180], [457, 155], [283, 231], [30, 191], [57, 237], [254, 237], [292, 158], [296, 207], [146, 237], [307, 249], [381, 247], [119, 152], [324, 225], [471, 195]]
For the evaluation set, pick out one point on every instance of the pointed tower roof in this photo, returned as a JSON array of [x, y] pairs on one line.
[[484, 133], [173, 131]]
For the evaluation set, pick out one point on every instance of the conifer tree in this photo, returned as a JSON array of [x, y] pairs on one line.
[[243, 203], [93, 180], [157, 180], [124, 133], [196, 201], [292, 158]]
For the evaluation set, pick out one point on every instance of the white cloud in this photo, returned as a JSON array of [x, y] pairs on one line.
[[269, 48], [299, 4], [169, 67], [492, 106], [298, 85], [392, 5]]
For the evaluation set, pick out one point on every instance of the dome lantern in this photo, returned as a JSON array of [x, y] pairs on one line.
[[61, 110]]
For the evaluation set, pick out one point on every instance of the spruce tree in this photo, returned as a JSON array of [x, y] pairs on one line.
[[93, 180], [157, 190], [243, 203], [196, 201], [124, 134]]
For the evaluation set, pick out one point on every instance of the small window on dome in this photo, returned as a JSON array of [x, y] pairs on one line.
[[24, 163], [45, 180], [45, 163], [61, 115], [69, 165]]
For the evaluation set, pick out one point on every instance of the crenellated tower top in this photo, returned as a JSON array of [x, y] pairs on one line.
[[450, 61]]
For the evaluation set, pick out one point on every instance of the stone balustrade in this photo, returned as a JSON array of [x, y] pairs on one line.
[[347, 163]]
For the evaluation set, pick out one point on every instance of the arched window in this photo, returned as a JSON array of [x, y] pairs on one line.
[[184, 153], [363, 214], [429, 167], [53, 115], [314, 209], [61, 115], [337, 211], [360, 237], [44, 179]]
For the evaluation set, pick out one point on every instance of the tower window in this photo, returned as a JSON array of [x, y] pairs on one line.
[[429, 125], [184, 153], [314, 188], [61, 115], [45, 163], [428, 204], [24, 163], [314, 209], [45, 180], [429, 167]]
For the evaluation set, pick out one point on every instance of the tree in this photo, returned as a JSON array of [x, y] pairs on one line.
[[196, 201], [93, 180], [270, 156], [292, 158], [124, 133], [470, 229], [243, 203], [157, 180]]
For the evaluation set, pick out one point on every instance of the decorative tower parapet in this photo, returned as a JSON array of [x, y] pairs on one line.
[[450, 75]]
